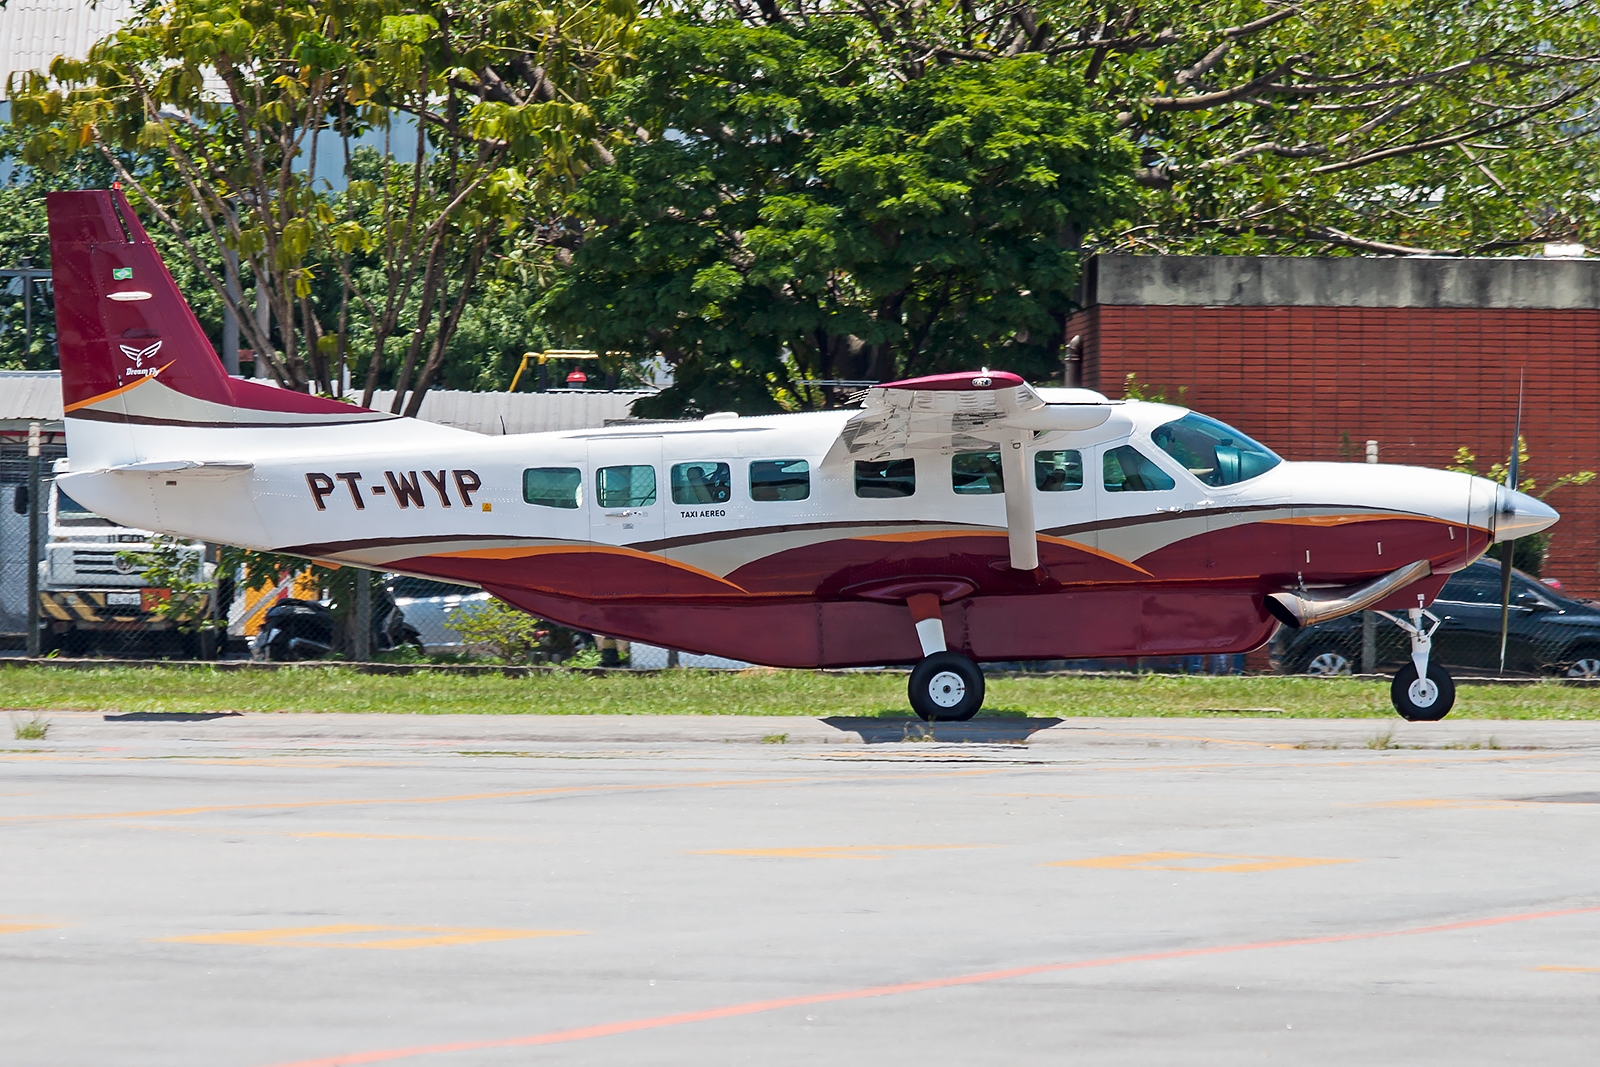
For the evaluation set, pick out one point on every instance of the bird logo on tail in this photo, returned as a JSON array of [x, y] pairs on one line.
[[139, 355]]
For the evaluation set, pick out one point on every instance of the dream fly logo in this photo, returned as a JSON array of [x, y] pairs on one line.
[[139, 355]]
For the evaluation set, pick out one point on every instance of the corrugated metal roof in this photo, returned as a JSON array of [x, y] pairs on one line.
[[35, 32], [36, 395], [30, 396], [521, 412]]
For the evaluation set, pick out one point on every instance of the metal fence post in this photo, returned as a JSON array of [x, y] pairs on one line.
[[362, 650], [33, 539]]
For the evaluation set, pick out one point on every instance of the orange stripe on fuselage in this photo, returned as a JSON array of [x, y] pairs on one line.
[[117, 391], [1344, 520]]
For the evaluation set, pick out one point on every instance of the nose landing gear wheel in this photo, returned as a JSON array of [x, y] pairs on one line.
[[946, 687], [1422, 699]]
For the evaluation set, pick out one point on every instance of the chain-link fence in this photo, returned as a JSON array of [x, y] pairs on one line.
[[110, 591]]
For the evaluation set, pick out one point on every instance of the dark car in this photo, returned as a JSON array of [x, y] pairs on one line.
[[1547, 633]]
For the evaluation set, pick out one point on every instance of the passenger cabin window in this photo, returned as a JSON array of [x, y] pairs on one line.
[[552, 487], [976, 473], [892, 478], [780, 479], [1213, 452], [1059, 471], [625, 487], [1128, 471], [701, 483]]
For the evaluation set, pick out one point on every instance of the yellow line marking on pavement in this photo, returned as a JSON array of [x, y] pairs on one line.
[[827, 852], [1197, 737], [294, 805], [564, 790], [22, 928], [319, 936], [1162, 861], [1572, 970], [1446, 802], [397, 837], [235, 832]]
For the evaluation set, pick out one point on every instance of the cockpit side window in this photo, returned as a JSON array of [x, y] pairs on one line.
[[1127, 470], [1213, 452]]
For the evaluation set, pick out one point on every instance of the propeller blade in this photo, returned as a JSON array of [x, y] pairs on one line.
[[1508, 548]]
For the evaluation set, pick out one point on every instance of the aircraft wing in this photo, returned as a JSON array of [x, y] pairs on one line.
[[193, 467], [948, 413]]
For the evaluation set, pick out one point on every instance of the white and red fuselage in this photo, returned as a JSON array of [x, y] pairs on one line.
[[789, 540]]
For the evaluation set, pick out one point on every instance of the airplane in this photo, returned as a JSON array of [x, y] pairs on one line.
[[947, 521]]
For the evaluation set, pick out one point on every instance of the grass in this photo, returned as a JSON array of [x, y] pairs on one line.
[[33, 729], [753, 692]]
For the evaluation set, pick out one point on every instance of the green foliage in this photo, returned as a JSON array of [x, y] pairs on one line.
[[1530, 552], [512, 635], [212, 116], [789, 214], [177, 566], [1333, 125], [1134, 389]]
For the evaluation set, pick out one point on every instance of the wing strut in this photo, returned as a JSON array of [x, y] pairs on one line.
[[1020, 530]]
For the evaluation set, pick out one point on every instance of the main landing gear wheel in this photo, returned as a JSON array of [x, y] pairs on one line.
[[946, 687], [1422, 699]]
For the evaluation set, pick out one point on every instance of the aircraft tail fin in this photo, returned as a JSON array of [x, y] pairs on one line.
[[132, 351]]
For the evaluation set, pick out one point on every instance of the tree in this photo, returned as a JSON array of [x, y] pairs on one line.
[[786, 215], [1389, 126], [231, 102]]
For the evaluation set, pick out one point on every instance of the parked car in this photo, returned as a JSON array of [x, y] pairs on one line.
[[428, 605], [1547, 634]]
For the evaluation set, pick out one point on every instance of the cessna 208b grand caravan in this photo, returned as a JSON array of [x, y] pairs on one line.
[[949, 520]]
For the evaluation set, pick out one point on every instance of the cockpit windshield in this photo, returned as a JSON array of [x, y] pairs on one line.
[[1213, 452]]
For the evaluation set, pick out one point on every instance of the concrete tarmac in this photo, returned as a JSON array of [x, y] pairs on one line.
[[275, 890]]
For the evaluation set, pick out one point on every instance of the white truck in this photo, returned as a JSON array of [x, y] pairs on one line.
[[94, 599]]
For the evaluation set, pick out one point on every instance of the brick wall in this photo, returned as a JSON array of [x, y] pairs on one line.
[[1316, 383]]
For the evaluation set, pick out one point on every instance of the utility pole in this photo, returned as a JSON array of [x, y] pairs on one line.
[[1369, 620], [33, 539]]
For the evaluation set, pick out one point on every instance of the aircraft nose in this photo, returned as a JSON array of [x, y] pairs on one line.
[[1518, 514]]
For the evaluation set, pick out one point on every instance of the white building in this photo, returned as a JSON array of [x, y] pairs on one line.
[[34, 32]]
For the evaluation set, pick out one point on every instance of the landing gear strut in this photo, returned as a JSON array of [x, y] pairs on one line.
[[945, 686], [1421, 691]]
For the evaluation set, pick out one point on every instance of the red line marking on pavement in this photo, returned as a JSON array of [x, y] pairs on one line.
[[585, 1033]]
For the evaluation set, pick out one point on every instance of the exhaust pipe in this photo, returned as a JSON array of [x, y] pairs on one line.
[[1309, 607]]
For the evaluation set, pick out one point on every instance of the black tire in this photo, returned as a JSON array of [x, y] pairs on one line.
[[1581, 662], [1327, 659], [1406, 702], [946, 687]]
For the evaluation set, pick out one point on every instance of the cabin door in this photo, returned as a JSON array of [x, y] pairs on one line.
[[628, 497]]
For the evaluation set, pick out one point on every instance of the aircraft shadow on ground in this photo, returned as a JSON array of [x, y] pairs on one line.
[[980, 731]]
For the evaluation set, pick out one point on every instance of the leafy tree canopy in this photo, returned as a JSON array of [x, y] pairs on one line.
[[788, 213]]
